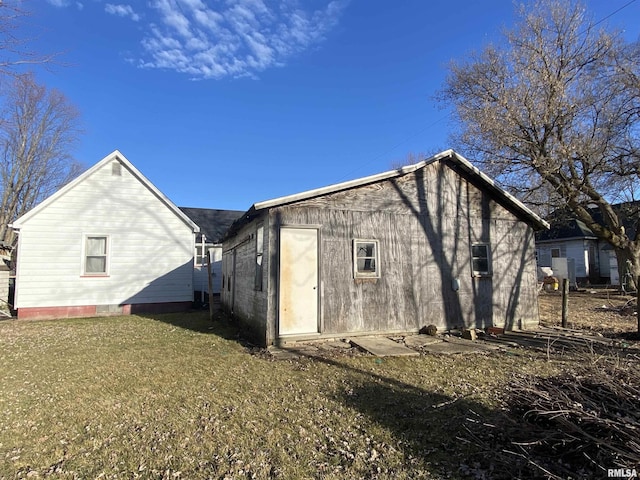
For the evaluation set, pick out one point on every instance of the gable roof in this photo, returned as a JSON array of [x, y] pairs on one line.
[[461, 164], [565, 230], [213, 223], [115, 155], [564, 226]]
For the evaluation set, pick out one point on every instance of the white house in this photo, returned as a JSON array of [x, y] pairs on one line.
[[572, 246], [108, 242], [213, 224]]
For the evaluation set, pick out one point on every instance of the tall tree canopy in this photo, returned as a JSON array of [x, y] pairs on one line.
[[38, 128], [553, 113]]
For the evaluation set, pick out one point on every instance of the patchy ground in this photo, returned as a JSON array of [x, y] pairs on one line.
[[178, 396], [605, 312]]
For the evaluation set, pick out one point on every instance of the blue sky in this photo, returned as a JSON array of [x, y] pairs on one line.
[[225, 103]]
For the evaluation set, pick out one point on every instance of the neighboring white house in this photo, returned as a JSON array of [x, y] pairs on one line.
[[588, 260], [108, 242], [213, 224]]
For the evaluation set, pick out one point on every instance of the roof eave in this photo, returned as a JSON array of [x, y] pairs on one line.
[[358, 182], [531, 218], [537, 222], [115, 155]]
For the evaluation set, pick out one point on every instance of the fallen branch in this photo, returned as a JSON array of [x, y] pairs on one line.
[[553, 425]]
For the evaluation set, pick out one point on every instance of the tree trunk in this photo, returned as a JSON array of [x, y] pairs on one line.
[[629, 265]]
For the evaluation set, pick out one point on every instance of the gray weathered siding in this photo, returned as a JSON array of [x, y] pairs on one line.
[[247, 304], [425, 223]]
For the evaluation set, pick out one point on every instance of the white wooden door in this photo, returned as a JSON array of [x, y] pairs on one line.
[[298, 281]]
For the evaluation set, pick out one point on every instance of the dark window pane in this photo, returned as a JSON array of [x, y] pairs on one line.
[[479, 251], [480, 265], [366, 249], [366, 265]]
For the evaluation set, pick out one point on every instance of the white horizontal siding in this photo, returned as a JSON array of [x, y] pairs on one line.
[[574, 249], [577, 250], [200, 281], [150, 248]]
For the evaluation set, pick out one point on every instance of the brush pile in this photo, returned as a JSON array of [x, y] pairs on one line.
[[575, 425]]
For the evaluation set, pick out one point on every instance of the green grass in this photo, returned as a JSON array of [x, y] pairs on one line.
[[178, 397]]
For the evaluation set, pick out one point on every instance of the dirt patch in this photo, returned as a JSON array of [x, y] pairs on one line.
[[603, 312]]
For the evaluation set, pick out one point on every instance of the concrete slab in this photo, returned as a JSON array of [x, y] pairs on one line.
[[382, 347], [416, 341]]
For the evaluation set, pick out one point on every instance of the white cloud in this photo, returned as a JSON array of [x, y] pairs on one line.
[[235, 38], [64, 3], [59, 3], [122, 11]]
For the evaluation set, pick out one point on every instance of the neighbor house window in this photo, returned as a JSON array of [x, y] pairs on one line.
[[95, 255], [366, 262], [259, 254], [555, 253], [201, 254], [480, 259]]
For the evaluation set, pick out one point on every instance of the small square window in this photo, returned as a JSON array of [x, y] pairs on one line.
[[95, 255], [201, 254], [366, 258], [480, 259]]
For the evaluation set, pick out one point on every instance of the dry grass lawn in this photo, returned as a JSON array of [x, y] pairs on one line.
[[178, 397], [598, 311]]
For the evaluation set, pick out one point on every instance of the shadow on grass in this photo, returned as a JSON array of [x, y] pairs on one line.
[[429, 426], [199, 321], [435, 431]]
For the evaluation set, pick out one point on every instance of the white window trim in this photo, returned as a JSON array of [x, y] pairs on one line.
[[83, 260], [205, 251], [258, 281], [376, 257], [489, 271]]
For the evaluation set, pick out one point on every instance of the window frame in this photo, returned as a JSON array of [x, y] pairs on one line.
[[205, 251], [106, 255], [375, 257], [481, 273], [258, 283]]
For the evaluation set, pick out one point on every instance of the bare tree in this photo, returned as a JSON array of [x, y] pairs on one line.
[[554, 115], [38, 128], [14, 49], [410, 159]]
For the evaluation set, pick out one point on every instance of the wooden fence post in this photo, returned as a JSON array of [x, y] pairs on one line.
[[210, 286], [565, 301], [638, 301]]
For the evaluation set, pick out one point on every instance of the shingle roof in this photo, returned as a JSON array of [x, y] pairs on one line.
[[212, 222], [565, 226], [565, 229]]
